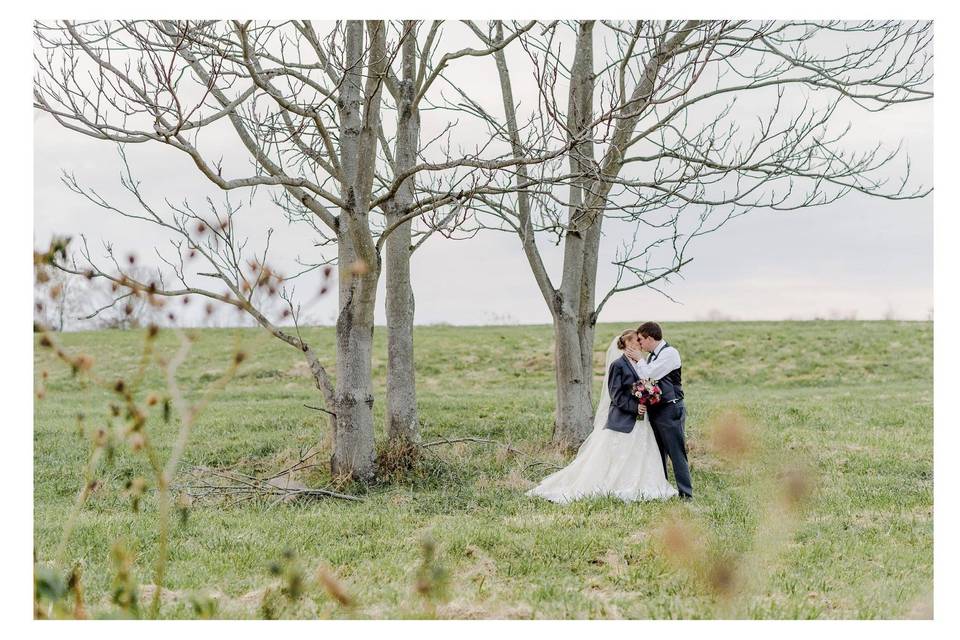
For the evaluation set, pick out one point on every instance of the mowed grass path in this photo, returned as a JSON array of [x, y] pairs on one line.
[[852, 399]]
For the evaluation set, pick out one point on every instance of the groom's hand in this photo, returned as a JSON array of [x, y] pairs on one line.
[[634, 354]]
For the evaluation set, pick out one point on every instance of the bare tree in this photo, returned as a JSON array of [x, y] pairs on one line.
[[306, 108], [656, 145]]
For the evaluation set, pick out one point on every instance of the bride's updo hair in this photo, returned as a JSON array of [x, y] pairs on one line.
[[622, 340]]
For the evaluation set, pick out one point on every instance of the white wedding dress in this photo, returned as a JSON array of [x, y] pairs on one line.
[[627, 466]]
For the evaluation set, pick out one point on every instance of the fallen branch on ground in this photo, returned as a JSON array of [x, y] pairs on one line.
[[205, 482], [549, 465]]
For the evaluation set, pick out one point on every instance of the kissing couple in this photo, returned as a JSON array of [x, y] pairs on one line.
[[638, 425]]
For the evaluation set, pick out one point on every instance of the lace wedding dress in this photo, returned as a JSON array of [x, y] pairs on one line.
[[609, 463]]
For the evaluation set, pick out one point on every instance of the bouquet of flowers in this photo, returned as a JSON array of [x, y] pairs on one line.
[[647, 391]]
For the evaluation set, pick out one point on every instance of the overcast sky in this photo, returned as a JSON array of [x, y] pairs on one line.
[[862, 257]]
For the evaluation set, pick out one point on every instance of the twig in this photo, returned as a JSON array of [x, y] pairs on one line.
[[546, 464], [321, 409]]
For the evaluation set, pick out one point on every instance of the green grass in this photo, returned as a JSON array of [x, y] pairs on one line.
[[851, 399]]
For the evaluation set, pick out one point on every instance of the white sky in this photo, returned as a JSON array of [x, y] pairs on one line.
[[862, 257]]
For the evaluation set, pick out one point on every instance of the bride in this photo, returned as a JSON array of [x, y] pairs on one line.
[[609, 462]]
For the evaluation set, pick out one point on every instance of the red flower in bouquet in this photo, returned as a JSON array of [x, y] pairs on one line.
[[647, 392]]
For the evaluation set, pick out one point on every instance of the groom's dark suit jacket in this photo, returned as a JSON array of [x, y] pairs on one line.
[[623, 404]]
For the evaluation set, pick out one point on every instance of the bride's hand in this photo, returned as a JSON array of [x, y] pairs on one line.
[[641, 409]]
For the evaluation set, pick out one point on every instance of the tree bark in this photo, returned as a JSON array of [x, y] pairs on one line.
[[403, 425], [353, 444], [587, 317], [574, 412], [353, 452], [574, 373]]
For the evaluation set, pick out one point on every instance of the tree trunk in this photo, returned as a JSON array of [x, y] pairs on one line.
[[353, 449], [574, 380], [574, 414], [586, 316], [403, 426], [402, 422], [353, 446]]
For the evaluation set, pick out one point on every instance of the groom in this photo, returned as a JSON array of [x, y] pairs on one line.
[[669, 415]]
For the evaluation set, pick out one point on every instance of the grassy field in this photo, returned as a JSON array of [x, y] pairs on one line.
[[851, 400]]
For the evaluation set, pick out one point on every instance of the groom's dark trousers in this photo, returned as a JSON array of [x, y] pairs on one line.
[[667, 420]]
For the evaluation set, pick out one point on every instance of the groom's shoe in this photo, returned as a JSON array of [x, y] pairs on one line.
[[686, 497]]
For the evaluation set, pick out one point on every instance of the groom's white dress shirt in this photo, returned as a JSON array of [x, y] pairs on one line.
[[667, 359]]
